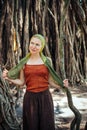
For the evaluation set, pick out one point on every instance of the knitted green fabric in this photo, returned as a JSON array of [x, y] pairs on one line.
[[53, 73], [15, 71]]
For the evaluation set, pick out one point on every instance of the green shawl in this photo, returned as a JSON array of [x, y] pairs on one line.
[[15, 71]]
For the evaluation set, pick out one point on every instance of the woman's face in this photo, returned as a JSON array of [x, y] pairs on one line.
[[35, 45]]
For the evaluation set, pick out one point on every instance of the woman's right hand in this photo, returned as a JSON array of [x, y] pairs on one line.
[[5, 74]]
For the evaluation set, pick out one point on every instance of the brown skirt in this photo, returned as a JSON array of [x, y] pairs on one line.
[[38, 111]]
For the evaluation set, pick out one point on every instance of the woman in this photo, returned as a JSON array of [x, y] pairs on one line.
[[36, 72]]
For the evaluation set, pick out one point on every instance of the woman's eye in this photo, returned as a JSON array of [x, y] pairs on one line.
[[37, 44], [32, 43]]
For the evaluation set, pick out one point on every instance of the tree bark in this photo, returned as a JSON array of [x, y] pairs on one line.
[[62, 23]]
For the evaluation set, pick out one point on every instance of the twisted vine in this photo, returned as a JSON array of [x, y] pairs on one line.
[[7, 108], [75, 124]]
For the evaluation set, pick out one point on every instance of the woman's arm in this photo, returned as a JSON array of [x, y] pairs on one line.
[[55, 85], [19, 81], [52, 83]]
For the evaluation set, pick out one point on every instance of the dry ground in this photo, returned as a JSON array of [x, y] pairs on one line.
[[63, 114]]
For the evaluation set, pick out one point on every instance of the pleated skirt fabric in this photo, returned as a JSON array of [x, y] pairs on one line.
[[38, 111]]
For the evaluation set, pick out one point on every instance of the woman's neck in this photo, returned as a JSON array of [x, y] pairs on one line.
[[35, 59], [35, 56]]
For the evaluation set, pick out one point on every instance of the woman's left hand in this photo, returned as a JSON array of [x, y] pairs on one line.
[[66, 83]]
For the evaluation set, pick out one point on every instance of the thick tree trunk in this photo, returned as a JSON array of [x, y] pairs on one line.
[[62, 23]]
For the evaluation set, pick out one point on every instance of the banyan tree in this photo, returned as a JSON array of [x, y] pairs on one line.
[[64, 25]]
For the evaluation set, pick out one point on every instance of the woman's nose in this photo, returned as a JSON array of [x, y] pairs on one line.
[[34, 46]]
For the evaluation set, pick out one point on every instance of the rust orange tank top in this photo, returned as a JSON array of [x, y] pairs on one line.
[[36, 77]]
